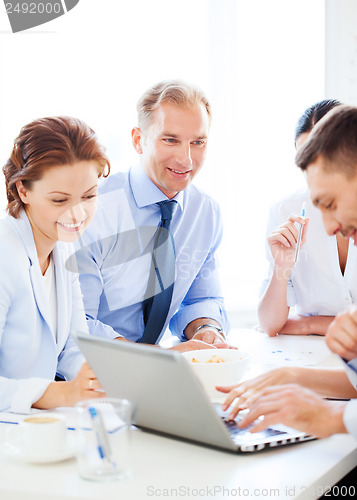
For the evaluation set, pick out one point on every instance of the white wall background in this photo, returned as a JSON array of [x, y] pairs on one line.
[[341, 50], [261, 64]]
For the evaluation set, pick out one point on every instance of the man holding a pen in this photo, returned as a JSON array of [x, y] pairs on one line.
[[301, 294], [329, 158]]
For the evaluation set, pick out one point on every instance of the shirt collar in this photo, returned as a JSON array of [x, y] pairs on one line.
[[144, 190]]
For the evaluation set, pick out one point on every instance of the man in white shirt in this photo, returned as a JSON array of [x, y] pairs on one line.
[[302, 296], [329, 158], [318, 286]]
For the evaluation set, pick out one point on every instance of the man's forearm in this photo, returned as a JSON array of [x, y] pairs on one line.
[[329, 382], [305, 325], [273, 310]]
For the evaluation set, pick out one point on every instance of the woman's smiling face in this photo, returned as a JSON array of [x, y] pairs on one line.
[[62, 203]]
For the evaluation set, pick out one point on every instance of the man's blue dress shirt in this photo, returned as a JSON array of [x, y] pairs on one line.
[[114, 262]]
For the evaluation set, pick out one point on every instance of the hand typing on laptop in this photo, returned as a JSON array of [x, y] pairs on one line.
[[328, 382], [114, 363], [296, 407]]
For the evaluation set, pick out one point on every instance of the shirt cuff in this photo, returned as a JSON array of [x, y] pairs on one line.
[[207, 309], [99, 329], [351, 370], [350, 417], [28, 392], [290, 292], [290, 296]]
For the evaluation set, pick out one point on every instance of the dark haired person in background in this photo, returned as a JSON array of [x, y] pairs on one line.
[[329, 158], [323, 281], [51, 185]]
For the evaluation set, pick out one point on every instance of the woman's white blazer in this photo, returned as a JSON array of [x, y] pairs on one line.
[[31, 353]]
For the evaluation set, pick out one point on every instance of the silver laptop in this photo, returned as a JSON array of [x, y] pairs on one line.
[[167, 397]]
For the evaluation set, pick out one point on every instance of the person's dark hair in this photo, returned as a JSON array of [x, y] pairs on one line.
[[335, 139], [46, 143], [313, 114]]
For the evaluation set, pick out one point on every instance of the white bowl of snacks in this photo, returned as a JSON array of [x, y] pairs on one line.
[[217, 367]]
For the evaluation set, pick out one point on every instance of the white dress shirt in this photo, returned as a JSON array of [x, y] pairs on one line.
[[316, 286], [49, 280]]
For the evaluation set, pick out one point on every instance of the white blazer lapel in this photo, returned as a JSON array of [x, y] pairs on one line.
[[24, 229]]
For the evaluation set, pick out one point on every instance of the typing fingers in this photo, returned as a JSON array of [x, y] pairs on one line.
[[234, 393], [272, 406]]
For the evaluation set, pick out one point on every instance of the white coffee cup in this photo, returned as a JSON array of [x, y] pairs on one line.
[[43, 434]]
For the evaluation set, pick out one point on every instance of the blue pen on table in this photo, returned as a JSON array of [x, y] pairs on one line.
[[103, 445], [298, 244]]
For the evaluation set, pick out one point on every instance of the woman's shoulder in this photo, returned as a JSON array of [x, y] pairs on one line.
[[7, 233], [11, 246]]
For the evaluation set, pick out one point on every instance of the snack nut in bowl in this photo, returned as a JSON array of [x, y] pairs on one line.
[[217, 367]]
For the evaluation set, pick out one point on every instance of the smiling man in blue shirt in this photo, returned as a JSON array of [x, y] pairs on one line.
[[171, 139]]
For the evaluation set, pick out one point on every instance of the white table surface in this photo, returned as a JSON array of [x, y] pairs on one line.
[[168, 468]]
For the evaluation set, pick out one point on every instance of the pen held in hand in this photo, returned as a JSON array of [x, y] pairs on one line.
[[298, 244]]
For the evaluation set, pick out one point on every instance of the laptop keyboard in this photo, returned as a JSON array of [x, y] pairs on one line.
[[242, 434], [256, 441]]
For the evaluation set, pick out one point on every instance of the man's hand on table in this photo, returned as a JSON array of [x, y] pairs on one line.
[[208, 331], [192, 345], [210, 336]]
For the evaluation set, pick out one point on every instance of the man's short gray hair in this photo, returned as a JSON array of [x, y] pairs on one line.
[[176, 92]]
